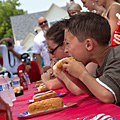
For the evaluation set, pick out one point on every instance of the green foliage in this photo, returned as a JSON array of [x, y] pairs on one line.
[[8, 8]]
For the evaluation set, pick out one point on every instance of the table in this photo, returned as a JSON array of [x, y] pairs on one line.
[[87, 106]]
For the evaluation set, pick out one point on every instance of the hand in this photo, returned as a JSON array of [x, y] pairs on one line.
[[7, 42], [1, 41], [74, 68], [5, 39], [46, 68], [27, 68], [45, 76]]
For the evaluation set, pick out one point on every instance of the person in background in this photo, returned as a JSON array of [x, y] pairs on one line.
[[11, 54], [93, 6], [112, 7], [31, 67], [86, 43], [40, 46], [73, 8]]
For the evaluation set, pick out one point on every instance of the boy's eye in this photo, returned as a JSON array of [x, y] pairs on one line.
[[66, 43]]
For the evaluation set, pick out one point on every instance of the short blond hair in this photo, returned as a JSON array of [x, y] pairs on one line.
[[74, 6]]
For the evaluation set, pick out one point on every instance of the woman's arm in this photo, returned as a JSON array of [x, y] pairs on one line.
[[51, 84]]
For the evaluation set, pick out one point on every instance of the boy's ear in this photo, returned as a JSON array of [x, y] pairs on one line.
[[89, 44]]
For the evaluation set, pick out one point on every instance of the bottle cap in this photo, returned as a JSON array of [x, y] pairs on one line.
[[6, 74], [1, 76], [15, 75], [20, 71], [118, 15]]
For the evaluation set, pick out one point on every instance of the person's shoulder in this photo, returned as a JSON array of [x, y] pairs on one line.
[[17, 46], [117, 47], [18, 49], [115, 6], [3, 48], [33, 62], [1, 45], [20, 66], [39, 35], [117, 50]]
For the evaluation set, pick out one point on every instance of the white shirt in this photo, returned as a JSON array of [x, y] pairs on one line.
[[6, 64], [40, 47]]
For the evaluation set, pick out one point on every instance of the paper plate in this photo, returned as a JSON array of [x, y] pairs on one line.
[[18, 94], [27, 115], [58, 95]]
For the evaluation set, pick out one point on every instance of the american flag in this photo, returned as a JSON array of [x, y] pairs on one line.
[[97, 117]]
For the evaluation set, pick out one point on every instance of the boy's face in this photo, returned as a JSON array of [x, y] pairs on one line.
[[74, 47]]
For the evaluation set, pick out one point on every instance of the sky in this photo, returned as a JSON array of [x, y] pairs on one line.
[[33, 6]]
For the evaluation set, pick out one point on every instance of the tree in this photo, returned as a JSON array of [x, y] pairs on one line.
[[8, 8]]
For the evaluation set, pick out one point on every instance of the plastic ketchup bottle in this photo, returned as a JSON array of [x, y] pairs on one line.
[[22, 80], [116, 34]]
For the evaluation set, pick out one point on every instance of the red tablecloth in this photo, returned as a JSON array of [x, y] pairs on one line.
[[86, 106]]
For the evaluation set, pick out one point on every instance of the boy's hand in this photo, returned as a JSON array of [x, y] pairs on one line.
[[74, 68]]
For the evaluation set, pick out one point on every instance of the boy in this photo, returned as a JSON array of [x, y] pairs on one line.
[[87, 37]]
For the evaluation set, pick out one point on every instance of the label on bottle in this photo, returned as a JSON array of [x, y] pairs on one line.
[[118, 23], [4, 87], [25, 87], [15, 82], [10, 84], [24, 83], [26, 76], [116, 36]]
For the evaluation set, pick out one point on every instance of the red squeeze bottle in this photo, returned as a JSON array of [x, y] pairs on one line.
[[116, 34], [23, 81]]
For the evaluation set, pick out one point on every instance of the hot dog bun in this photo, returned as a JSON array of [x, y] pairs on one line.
[[57, 68], [40, 96], [18, 89], [42, 87], [38, 83], [44, 105]]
